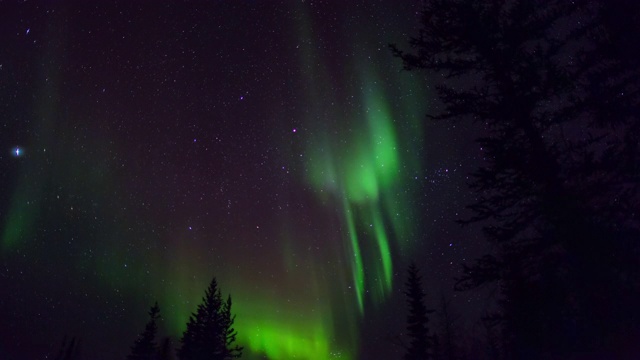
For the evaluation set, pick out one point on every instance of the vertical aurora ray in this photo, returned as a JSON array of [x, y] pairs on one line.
[[362, 172], [380, 233], [357, 267], [302, 290], [25, 209], [18, 221], [359, 157]]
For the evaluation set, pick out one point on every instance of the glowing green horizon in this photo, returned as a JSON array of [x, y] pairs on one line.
[[300, 327]]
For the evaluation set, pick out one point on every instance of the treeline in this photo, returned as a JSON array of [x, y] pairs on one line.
[[209, 335], [552, 88]]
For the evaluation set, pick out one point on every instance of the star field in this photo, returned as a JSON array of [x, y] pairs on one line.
[[278, 145]]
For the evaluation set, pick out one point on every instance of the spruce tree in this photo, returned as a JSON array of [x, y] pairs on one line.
[[210, 334], [230, 351], [417, 319], [555, 94], [145, 347]]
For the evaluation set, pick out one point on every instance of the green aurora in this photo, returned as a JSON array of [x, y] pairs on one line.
[[358, 148]]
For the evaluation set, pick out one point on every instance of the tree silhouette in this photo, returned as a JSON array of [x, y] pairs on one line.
[[557, 102], [417, 319], [145, 347], [210, 334]]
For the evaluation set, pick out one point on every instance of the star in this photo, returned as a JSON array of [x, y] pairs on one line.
[[17, 152]]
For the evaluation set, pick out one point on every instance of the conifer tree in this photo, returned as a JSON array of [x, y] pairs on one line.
[[145, 347], [417, 319], [210, 334], [555, 92]]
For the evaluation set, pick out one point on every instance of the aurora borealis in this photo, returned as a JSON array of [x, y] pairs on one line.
[[277, 145]]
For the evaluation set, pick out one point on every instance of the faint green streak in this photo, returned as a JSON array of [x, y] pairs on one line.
[[384, 248], [17, 224], [356, 267]]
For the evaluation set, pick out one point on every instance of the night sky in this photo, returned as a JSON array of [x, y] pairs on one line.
[[146, 147]]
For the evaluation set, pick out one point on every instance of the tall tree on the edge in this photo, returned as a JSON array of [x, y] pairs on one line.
[[210, 334], [417, 319], [556, 90], [145, 347]]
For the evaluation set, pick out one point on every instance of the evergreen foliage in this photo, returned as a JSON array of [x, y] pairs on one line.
[[557, 98], [417, 319], [210, 334]]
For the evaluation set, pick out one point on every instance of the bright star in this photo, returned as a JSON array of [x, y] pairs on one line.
[[17, 151]]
